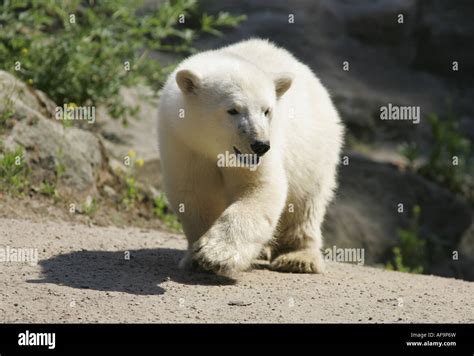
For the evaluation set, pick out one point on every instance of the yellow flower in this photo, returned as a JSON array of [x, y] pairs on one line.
[[132, 154], [140, 162], [24, 51], [71, 105], [30, 81]]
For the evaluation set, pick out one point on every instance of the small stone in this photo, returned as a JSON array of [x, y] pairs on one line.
[[239, 303]]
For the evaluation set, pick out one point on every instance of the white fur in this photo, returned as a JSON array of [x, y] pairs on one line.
[[231, 214]]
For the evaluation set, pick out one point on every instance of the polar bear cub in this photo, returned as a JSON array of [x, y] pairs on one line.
[[257, 104]]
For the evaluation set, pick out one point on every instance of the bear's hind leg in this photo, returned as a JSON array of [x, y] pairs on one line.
[[298, 244], [307, 260], [299, 240]]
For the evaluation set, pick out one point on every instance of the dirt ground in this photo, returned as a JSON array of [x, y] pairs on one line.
[[109, 274]]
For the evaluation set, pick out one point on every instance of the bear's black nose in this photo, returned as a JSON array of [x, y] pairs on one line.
[[260, 147]]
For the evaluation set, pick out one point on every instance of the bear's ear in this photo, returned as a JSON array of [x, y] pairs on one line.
[[282, 83], [188, 81]]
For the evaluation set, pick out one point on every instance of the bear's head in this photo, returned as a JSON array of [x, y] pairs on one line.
[[230, 107]]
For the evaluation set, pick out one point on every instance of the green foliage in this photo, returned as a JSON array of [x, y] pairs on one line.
[[7, 111], [410, 152], [133, 189], [78, 51], [48, 189], [60, 168], [450, 161], [398, 263], [210, 22], [89, 207], [162, 211], [410, 254], [14, 172], [133, 192]]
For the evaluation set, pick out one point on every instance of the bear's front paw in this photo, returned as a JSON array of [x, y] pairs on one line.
[[303, 261], [215, 255]]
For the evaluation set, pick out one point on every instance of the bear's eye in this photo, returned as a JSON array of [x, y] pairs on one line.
[[232, 112], [267, 112]]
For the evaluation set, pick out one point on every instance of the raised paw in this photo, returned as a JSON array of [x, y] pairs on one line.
[[303, 261]]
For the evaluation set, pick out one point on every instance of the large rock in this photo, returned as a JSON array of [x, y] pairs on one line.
[[365, 214], [140, 135], [25, 101], [464, 265], [50, 148], [443, 31], [140, 132]]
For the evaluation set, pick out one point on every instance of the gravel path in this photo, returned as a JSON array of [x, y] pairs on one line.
[[83, 275]]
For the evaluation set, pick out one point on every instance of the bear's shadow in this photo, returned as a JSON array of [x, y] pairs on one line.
[[141, 274]]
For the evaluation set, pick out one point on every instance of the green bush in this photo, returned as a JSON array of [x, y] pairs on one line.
[[449, 144], [77, 51], [450, 161], [410, 254]]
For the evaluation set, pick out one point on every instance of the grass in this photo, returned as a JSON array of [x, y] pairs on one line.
[[133, 192], [49, 190], [6, 113], [89, 207], [410, 254], [162, 211], [14, 172]]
